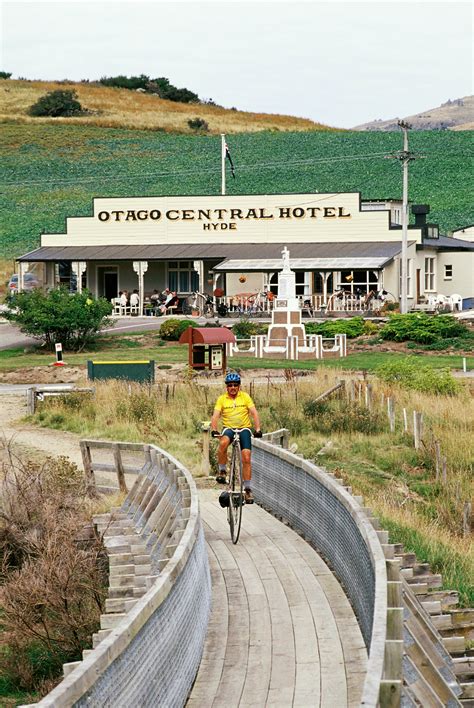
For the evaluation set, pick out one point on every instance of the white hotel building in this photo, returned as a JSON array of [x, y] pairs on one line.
[[234, 243]]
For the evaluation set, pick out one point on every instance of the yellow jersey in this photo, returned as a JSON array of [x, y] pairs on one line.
[[235, 411]]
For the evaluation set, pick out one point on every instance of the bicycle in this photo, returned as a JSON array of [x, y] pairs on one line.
[[235, 488]]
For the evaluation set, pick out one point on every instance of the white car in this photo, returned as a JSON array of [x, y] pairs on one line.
[[30, 281]]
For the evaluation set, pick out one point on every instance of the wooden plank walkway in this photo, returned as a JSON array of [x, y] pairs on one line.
[[282, 632]]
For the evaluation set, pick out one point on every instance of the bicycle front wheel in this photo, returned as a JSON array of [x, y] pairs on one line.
[[208, 311], [234, 511]]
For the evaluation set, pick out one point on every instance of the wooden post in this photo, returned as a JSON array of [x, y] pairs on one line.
[[464, 364], [359, 396], [87, 464], [391, 413], [206, 465], [119, 469], [405, 420], [368, 397], [417, 428], [31, 400], [467, 519], [437, 459], [444, 467], [352, 390]]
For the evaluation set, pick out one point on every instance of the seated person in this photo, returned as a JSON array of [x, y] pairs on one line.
[[134, 300], [165, 295], [155, 297], [171, 301], [124, 298]]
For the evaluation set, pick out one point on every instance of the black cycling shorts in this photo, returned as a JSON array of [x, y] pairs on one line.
[[245, 437]]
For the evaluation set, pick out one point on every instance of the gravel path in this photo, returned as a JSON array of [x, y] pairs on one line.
[[31, 438]]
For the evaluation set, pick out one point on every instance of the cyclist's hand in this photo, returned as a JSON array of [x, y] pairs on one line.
[[257, 434], [215, 434]]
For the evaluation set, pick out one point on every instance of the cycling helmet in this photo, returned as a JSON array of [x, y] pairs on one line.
[[232, 377]]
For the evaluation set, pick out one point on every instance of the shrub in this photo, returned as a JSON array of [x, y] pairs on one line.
[[172, 329], [246, 329], [56, 103], [198, 124], [410, 374], [54, 585], [422, 328], [341, 416], [73, 319], [352, 327]]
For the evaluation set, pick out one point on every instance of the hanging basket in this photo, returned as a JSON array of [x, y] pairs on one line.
[[218, 292], [242, 279]]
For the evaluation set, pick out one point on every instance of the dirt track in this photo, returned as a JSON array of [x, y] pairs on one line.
[[31, 438]]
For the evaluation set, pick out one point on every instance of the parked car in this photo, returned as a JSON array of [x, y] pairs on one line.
[[30, 281]]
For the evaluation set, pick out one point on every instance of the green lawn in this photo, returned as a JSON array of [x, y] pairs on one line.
[[55, 171], [115, 349]]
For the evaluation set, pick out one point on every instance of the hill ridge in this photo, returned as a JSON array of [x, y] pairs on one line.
[[457, 114]]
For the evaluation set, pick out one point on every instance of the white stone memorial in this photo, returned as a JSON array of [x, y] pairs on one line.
[[286, 314]]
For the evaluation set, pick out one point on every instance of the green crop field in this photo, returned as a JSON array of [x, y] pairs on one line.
[[54, 171]]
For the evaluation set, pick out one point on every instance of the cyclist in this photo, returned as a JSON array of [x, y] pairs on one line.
[[236, 408]]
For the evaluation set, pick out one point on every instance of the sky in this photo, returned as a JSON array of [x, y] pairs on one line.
[[338, 63]]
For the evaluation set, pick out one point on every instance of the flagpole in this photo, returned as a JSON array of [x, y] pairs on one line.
[[223, 163]]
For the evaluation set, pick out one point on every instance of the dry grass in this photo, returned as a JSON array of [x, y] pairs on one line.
[[122, 108], [396, 480]]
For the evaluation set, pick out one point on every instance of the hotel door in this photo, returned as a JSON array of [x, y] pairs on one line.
[[107, 280]]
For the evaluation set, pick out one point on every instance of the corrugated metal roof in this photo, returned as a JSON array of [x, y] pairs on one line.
[[306, 264], [447, 242], [213, 252]]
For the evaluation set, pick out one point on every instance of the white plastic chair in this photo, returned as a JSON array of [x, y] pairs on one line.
[[455, 302]]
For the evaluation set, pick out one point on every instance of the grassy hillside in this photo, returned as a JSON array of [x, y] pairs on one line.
[[54, 171], [122, 108]]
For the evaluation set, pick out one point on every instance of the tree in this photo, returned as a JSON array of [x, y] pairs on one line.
[[198, 124], [5, 74], [56, 103], [73, 319]]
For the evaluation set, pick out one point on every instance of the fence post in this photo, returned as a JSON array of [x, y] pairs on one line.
[[119, 469], [437, 459], [444, 466], [206, 466], [87, 464], [391, 413], [31, 400], [467, 519], [417, 428], [368, 397], [405, 420]]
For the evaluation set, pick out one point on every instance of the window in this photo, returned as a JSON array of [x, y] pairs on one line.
[[182, 277], [448, 272], [429, 274], [302, 283], [432, 231], [357, 282], [409, 276]]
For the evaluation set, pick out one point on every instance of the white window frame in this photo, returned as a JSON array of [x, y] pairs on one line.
[[446, 275], [430, 274], [189, 269], [409, 276]]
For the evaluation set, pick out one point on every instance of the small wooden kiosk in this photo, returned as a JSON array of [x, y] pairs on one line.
[[207, 346]]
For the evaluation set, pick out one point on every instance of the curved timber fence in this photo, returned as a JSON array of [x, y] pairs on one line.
[[149, 647], [316, 505]]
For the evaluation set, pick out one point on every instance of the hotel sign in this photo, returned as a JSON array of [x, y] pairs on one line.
[[223, 219]]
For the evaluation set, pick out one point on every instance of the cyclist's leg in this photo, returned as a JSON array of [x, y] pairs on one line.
[[246, 446], [224, 442]]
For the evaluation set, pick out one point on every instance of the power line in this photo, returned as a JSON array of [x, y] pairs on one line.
[[153, 175]]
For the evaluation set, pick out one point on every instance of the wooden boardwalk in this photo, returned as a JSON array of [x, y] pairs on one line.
[[282, 632]]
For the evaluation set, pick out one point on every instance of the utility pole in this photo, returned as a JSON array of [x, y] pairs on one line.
[[405, 156]]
